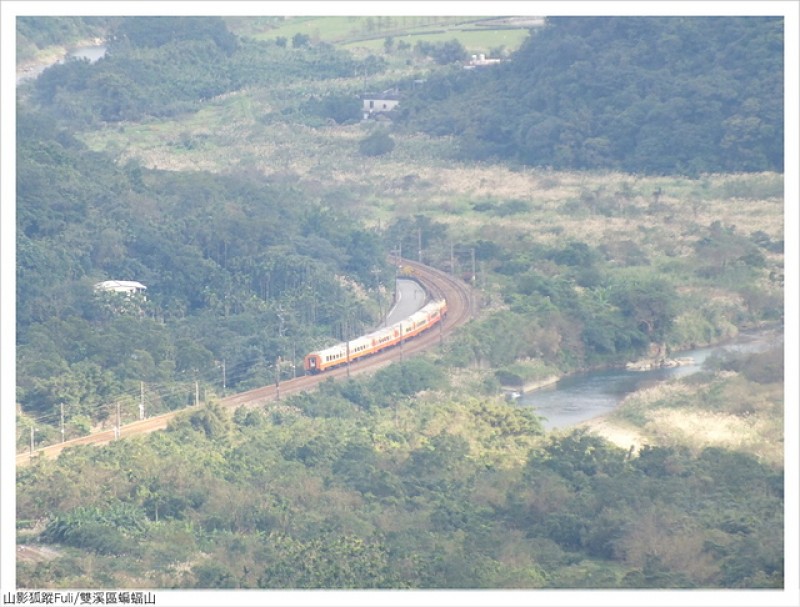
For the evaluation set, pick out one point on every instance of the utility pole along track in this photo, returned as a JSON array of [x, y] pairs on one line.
[[438, 284]]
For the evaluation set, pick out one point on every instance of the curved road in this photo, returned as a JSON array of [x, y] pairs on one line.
[[410, 298], [438, 284]]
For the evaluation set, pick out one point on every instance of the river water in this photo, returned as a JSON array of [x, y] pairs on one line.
[[92, 53], [583, 396]]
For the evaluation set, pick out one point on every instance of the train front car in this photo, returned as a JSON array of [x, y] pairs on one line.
[[311, 363]]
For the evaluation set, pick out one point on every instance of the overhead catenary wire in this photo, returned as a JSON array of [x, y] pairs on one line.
[[153, 392]]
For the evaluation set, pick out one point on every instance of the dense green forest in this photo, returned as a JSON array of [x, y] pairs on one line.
[[236, 270], [642, 95], [363, 484], [421, 476]]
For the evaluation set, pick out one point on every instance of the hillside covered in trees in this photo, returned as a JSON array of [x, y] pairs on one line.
[[233, 177], [371, 484], [248, 264], [157, 67], [236, 270], [641, 95]]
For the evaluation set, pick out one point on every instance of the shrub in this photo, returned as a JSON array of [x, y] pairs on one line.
[[376, 143]]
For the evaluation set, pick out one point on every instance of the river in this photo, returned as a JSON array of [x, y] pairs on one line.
[[584, 396]]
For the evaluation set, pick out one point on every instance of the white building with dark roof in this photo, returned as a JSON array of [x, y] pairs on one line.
[[379, 103]]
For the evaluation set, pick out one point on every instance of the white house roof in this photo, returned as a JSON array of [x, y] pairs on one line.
[[118, 285]]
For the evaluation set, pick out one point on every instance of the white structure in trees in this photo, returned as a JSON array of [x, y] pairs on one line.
[[129, 287]]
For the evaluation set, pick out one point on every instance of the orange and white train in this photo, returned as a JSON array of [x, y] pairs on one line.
[[372, 343]]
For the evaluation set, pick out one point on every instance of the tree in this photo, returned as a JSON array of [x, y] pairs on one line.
[[618, 93], [341, 108], [213, 574], [376, 143], [650, 304], [327, 561], [162, 30], [722, 248], [445, 52], [580, 455], [301, 40]]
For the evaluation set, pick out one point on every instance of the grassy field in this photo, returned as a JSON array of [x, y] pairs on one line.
[[473, 41], [361, 34], [445, 188], [347, 29]]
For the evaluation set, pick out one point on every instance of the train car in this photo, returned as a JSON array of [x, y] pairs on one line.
[[377, 341]]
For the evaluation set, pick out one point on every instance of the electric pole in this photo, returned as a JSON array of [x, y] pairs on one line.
[[472, 290], [278, 378], [347, 341], [376, 273], [398, 255], [473, 267], [62, 423]]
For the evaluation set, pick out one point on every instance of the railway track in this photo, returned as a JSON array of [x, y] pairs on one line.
[[437, 283]]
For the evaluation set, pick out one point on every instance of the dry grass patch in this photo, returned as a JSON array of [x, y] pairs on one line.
[[231, 132], [623, 435], [727, 411], [701, 429]]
